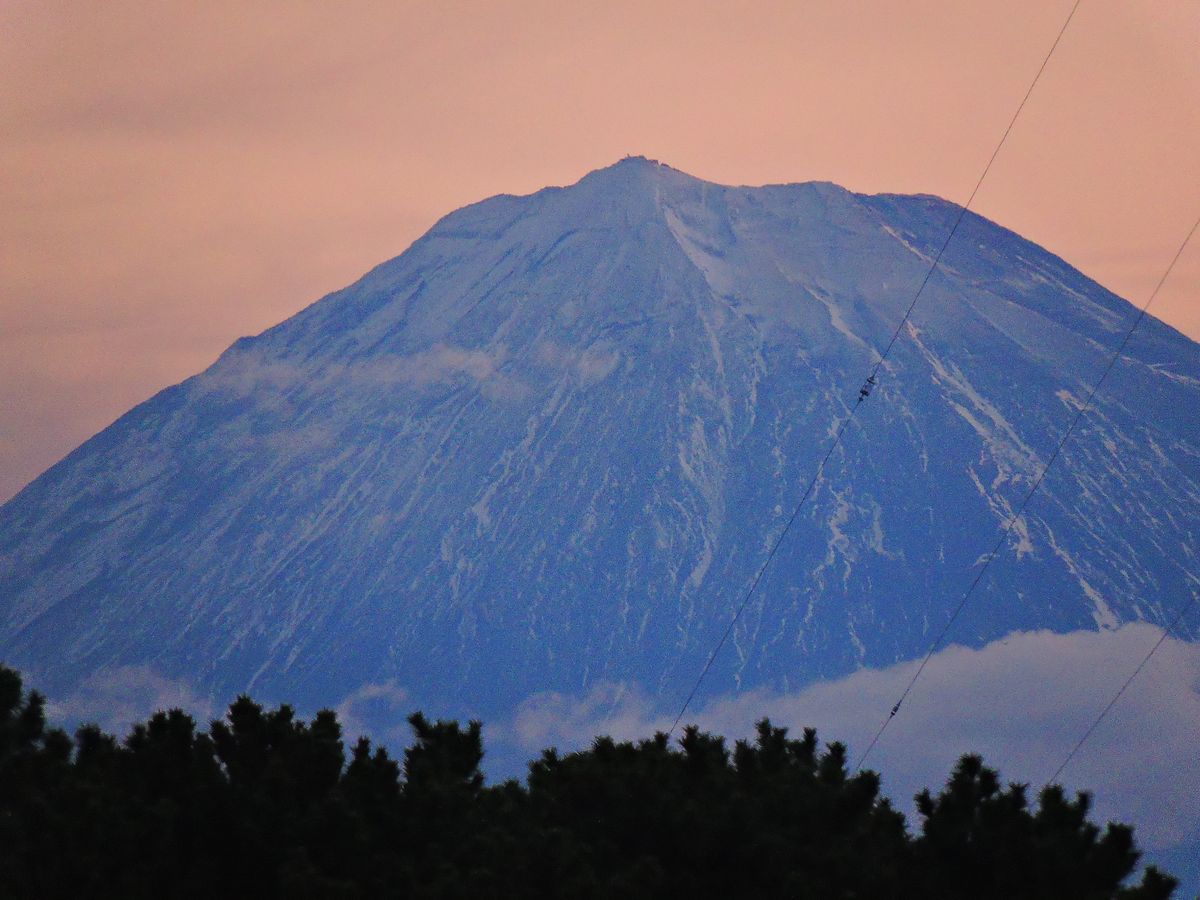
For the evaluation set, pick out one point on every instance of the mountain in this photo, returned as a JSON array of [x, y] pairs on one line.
[[550, 444]]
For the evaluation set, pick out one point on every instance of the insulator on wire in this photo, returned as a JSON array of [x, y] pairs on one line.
[[865, 391]]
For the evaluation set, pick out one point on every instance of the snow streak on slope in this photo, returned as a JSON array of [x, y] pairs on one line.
[[549, 445]]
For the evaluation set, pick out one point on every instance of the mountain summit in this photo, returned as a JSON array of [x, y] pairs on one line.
[[550, 444]]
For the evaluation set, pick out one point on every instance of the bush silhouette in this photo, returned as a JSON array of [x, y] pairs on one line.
[[265, 804]]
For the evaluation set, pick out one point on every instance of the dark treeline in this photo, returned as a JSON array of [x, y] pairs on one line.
[[264, 804]]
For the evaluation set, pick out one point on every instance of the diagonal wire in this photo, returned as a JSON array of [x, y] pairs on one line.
[[872, 377], [763, 568], [1012, 520], [1117, 696], [978, 184]]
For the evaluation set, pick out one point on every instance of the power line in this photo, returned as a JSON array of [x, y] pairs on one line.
[[963, 210], [1117, 696], [872, 378], [763, 568], [1012, 520]]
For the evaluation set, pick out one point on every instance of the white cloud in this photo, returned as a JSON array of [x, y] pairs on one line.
[[246, 374], [118, 698], [115, 699], [1022, 702], [560, 720], [589, 366], [379, 710], [440, 364], [306, 439]]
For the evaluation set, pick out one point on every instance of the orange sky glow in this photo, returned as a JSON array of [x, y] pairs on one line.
[[178, 175]]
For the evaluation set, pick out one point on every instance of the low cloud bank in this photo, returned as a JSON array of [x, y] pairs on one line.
[[1022, 702], [116, 699]]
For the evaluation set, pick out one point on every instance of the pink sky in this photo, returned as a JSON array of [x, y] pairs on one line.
[[178, 176]]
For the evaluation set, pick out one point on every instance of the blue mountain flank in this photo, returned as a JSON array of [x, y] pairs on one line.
[[549, 445]]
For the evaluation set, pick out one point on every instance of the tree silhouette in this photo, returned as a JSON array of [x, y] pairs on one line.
[[266, 804]]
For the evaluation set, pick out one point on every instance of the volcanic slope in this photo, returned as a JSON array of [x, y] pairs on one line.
[[549, 445]]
